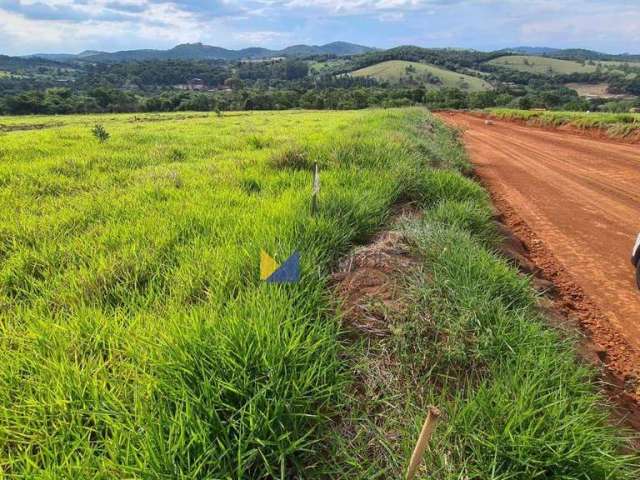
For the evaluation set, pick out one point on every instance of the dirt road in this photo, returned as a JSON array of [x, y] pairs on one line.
[[578, 201]]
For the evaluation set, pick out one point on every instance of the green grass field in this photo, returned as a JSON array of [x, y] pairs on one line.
[[554, 66], [613, 63], [541, 65], [396, 70], [136, 340], [616, 124], [136, 336], [318, 68]]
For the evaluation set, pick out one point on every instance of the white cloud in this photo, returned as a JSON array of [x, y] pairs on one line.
[[72, 25], [391, 16], [610, 28], [262, 37]]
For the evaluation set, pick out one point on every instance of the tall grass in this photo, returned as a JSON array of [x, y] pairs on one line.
[[615, 124], [523, 407], [136, 337]]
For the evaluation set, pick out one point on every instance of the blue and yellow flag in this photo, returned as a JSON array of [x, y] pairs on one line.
[[271, 272]]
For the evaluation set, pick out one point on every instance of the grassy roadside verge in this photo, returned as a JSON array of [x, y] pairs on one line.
[[616, 125], [472, 342]]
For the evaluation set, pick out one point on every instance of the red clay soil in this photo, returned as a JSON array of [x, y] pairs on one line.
[[575, 203]]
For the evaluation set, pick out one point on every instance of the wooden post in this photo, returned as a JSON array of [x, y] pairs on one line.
[[315, 189], [427, 429]]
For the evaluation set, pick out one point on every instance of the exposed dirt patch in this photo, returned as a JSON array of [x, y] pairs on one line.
[[28, 126], [370, 285], [369, 281], [598, 90], [165, 118]]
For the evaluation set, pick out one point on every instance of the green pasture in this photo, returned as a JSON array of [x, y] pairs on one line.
[[137, 341], [396, 70]]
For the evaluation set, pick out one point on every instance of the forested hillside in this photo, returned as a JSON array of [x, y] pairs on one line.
[[338, 76]]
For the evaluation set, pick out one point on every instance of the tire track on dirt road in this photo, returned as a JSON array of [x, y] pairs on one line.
[[580, 198]]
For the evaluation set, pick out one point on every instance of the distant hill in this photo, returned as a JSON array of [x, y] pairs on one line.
[[199, 51], [15, 63], [541, 65], [532, 50], [336, 48], [572, 54], [439, 56], [64, 57], [54, 57], [448, 58], [544, 65], [395, 71]]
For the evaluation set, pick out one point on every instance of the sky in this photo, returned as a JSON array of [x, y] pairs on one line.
[[71, 26]]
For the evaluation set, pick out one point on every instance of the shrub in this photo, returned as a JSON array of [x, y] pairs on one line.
[[100, 133]]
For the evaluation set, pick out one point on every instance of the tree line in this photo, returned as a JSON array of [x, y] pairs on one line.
[[337, 97], [149, 86]]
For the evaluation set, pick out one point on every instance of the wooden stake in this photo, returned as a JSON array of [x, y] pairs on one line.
[[427, 429], [315, 189]]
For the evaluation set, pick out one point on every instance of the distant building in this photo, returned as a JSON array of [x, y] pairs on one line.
[[196, 84], [193, 84], [262, 60]]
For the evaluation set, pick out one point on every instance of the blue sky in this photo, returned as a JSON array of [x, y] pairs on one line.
[[28, 26]]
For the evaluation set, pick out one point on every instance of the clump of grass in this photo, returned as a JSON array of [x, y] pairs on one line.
[[258, 142], [175, 178], [466, 215], [623, 130], [70, 168], [177, 155], [250, 185], [441, 185], [292, 157]]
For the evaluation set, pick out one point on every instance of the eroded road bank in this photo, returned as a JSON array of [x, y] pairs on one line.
[[575, 202]]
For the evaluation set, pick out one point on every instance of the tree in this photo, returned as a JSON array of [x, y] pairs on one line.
[[295, 69], [234, 83], [482, 99], [26, 103], [524, 103], [198, 102]]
